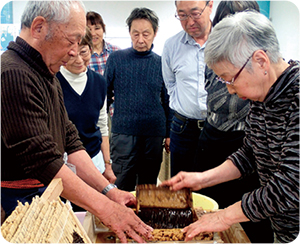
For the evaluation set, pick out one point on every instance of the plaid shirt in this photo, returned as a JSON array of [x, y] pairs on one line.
[[98, 62]]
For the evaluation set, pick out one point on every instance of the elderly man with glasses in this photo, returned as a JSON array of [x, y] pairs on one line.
[[35, 127], [183, 69]]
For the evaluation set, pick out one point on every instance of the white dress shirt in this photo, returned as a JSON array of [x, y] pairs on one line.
[[183, 71]]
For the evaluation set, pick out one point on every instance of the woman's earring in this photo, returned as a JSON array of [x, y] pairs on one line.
[[266, 72]]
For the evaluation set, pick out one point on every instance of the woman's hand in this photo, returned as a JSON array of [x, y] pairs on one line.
[[199, 180], [184, 180], [216, 221], [212, 222]]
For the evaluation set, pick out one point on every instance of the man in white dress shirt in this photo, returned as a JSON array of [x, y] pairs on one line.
[[183, 72]]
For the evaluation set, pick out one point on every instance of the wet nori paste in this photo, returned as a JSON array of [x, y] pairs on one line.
[[166, 218]]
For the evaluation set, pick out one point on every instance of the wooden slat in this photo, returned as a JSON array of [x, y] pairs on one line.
[[82, 230], [88, 226], [235, 234], [53, 190]]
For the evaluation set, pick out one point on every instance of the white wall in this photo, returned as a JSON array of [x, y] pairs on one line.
[[115, 14], [283, 14], [285, 18]]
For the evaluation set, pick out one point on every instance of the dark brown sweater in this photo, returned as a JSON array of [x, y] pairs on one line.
[[35, 129]]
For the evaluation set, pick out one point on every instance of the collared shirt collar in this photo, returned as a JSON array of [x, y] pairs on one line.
[[104, 49], [105, 46], [187, 39]]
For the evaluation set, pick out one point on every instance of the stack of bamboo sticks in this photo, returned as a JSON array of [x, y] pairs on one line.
[[43, 221]]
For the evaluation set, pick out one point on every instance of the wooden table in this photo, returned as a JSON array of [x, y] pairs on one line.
[[235, 234]]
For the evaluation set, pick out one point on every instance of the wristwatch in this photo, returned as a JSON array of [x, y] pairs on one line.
[[109, 162], [108, 188]]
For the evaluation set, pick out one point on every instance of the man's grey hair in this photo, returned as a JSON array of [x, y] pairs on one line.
[[237, 37], [203, 1], [52, 11]]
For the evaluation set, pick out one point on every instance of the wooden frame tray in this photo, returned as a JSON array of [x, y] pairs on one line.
[[235, 234]]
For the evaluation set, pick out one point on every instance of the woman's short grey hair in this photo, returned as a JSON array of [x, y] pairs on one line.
[[143, 13], [52, 11], [237, 37]]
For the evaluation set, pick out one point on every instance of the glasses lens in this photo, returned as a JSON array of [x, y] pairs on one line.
[[181, 16], [220, 79], [224, 81], [196, 15]]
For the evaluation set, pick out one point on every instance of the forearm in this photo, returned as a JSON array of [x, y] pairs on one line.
[[87, 171], [223, 173], [108, 173], [81, 194], [234, 214], [105, 148]]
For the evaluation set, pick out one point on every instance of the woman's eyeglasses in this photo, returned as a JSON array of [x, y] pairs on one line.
[[235, 77]]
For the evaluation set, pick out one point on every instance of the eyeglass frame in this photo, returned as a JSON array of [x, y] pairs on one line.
[[82, 56], [236, 76], [190, 15]]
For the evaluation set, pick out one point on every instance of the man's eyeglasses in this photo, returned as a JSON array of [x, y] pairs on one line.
[[194, 15], [235, 77]]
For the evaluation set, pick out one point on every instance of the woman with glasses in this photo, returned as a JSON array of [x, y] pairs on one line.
[[271, 143], [85, 100], [223, 131]]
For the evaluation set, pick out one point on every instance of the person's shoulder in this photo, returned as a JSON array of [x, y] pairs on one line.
[[156, 56], [12, 63], [95, 75], [119, 54], [10, 60], [59, 75], [174, 43], [176, 38], [112, 47]]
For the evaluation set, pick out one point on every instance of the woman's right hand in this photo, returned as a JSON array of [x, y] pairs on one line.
[[184, 180]]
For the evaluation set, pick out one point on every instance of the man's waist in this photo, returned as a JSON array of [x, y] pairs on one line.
[[199, 122], [191, 111], [22, 184]]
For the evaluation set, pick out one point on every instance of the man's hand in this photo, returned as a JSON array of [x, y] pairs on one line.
[[167, 144], [109, 174], [123, 221], [122, 197]]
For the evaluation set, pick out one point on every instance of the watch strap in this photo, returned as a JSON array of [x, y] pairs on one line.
[[108, 188]]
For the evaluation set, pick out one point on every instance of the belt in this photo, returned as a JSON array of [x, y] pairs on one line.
[[22, 184], [200, 122]]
